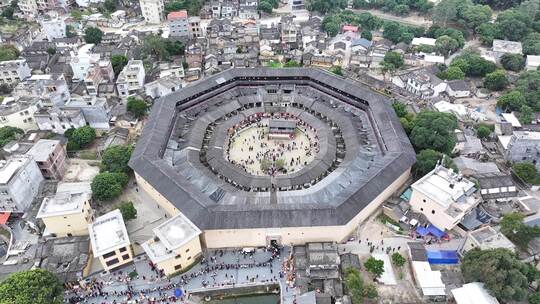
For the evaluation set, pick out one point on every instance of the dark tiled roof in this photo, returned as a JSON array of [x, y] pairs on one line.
[[351, 190]]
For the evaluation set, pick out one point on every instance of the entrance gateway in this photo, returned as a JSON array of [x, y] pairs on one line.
[[273, 240]]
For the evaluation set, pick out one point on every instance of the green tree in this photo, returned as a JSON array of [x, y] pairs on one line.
[[473, 65], [487, 32], [483, 132], [511, 101], [8, 134], [174, 48], [446, 45], [452, 73], [325, 6], [116, 158], [154, 45], [502, 273], [366, 34], [398, 259], [514, 229], [70, 31], [513, 25], [374, 266], [475, 15], [93, 35], [531, 44], [193, 7], [427, 159], [128, 211], [355, 285], [434, 130], [107, 186], [118, 63], [8, 12], [525, 114], [400, 108], [83, 136], [337, 70], [37, 286], [110, 5], [332, 28], [136, 106], [265, 6], [534, 298], [370, 291], [392, 61], [8, 52], [292, 64], [529, 86], [496, 81], [526, 171], [51, 51], [5, 89], [513, 62]]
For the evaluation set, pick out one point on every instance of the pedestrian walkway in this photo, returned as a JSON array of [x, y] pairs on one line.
[[219, 269]]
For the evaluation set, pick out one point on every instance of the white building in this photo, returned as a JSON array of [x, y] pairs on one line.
[[50, 89], [423, 41], [13, 71], [444, 197], [59, 120], [20, 179], [29, 8], [429, 281], [53, 26], [86, 3], [19, 114], [486, 238], [532, 62], [162, 86], [96, 110], [175, 246], [110, 240], [458, 88], [178, 25], [68, 211], [152, 10], [131, 79], [501, 47], [473, 293], [82, 61]]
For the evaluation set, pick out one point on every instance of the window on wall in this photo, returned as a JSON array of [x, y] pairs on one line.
[[123, 249], [112, 262], [125, 257], [177, 267], [108, 255]]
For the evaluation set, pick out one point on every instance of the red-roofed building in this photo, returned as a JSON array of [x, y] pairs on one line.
[[350, 28], [178, 25]]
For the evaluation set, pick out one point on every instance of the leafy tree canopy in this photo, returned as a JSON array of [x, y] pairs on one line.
[[8, 134], [527, 172], [118, 62], [193, 7], [513, 228], [37, 286], [496, 81], [392, 61], [511, 101], [128, 211], [374, 266], [434, 130], [137, 107], [81, 137], [506, 277], [107, 186], [427, 159], [325, 6], [513, 62], [529, 86], [398, 259], [8, 52], [93, 35], [116, 158], [473, 65]]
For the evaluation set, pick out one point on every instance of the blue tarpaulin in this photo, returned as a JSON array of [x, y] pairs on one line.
[[436, 232], [442, 256]]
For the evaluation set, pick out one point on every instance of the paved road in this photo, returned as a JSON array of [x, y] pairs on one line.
[[409, 20]]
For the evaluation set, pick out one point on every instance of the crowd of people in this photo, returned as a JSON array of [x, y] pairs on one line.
[[258, 154], [161, 289]]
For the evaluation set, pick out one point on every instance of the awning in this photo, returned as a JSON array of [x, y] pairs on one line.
[[436, 232], [4, 216]]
